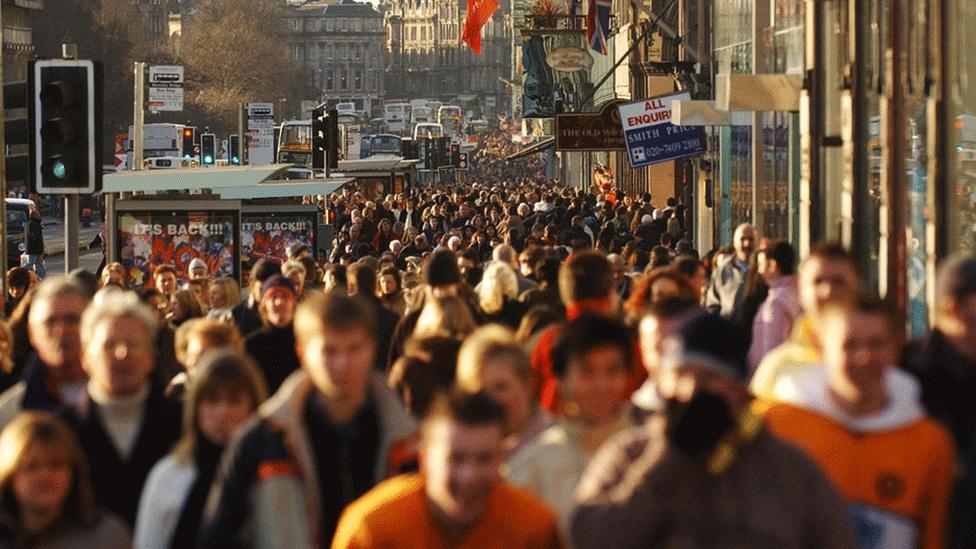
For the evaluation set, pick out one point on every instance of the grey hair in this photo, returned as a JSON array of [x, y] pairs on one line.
[[117, 304], [52, 287]]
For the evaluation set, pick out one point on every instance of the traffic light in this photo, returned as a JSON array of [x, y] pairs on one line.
[[462, 163], [234, 152], [189, 136], [455, 154], [325, 139], [16, 132], [208, 149], [332, 139], [66, 120], [408, 149], [443, 152], [429, 154], [319, 131]]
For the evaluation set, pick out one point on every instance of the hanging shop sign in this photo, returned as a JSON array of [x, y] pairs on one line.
[[569, 59], [590, 131]]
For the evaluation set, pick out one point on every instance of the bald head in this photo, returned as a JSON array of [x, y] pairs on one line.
[[744, 241]]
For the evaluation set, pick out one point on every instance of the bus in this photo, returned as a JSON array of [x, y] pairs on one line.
[[295, 143], [352, 122], [421, 115], [427, 131], [158, 141], [450, 117], [382, 144], [348, 107], [397, 117]]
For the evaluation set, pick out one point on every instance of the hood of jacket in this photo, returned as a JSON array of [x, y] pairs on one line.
[[807, 389]]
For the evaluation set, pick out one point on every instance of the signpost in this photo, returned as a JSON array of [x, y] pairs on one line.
[[650, 136], [166, 88], [260, 134]]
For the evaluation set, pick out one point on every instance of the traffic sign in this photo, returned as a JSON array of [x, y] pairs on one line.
[[462, 161], [166, 88], [650, 136], [260, 133]]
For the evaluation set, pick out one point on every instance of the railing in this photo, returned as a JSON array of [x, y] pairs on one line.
[[553, 24]]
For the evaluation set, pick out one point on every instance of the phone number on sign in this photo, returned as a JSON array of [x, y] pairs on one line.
[[676, 147]]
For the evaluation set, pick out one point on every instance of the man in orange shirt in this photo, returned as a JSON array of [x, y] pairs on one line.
[[458, 499], [861, 420]]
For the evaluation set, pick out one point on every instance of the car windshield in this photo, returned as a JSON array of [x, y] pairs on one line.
[[16, 220]]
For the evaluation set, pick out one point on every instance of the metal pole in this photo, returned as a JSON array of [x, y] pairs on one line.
[[138, 115], [71, 223], [3, 180]]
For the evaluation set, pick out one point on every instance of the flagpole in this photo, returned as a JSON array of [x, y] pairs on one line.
[[626, 54]]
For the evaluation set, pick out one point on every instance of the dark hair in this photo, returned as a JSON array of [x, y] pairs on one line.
[[340, 274], [671, 307], [364, 277], [547, 270], [18, 277], [784, 255], [265, 269], [865, 303], [586, 333], [472, 409], [687, 266], [585, 275], [424, 379]]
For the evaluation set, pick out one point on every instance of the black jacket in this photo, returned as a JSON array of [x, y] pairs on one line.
[[118, 482], [34, 237], [274, 351], [246, 318]]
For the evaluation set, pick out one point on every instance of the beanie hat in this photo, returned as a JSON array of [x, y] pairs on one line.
[[646, 219], [442, 268], [278, 282], [295, 248], [707, 341], [197, 263]]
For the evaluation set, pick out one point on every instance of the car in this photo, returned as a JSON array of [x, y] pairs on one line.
[[16, 228]]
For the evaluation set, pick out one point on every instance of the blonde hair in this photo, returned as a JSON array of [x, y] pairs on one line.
[[231, 290], [498, 285], [215, 333], [219, 370], [27, 431], [444, 316], [113, 267], [293, 266], [491, 344]]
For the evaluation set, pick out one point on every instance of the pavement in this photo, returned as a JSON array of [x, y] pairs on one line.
[[54, 246]]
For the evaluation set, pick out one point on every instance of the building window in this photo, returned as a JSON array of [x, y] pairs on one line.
[[329, 79], [358, 25], [343, 80], [156, 24], [357, 52], [329, 51], [296, 24], [296, 52], [359, 79], [329, 25], [343, 25]]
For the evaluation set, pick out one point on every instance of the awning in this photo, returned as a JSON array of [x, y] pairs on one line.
[[190, 179], [386, 164], [534, 148], [284, 189]]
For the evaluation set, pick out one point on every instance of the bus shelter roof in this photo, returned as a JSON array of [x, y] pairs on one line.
[[191, 179], [385, 164]]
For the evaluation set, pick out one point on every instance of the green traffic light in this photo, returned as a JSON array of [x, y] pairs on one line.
[[208, 159], [59, 169]]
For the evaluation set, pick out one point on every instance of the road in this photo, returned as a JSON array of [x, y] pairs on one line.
[[54, 246]]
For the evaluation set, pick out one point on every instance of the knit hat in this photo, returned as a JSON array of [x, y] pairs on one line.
[[646, 219], [197, 263], [707, 341], [278, 282], [442, 268]]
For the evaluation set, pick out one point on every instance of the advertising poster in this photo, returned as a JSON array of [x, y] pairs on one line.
[[151, 238], [268, 234]]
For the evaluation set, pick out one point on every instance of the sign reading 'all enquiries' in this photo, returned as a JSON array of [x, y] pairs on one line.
[[650, 136]]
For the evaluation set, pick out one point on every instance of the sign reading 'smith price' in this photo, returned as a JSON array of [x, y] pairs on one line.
[[650, 136]]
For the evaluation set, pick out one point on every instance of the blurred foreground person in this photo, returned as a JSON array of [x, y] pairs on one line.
[[53, 378], [458, 499], [225, 391], [47, 494], [860, 419], [706, 473], [124, 423], [323, 440]]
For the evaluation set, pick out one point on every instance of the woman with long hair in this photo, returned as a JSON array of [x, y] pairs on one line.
[[222, 295], [182, 307], [390, 291], [46, 495], [113, 273], [447, 316], [225, 390]]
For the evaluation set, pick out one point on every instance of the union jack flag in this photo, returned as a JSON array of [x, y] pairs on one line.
[[598, 25]]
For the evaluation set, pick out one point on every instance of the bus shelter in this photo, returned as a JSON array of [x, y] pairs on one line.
[[227, 217], [377, 177]]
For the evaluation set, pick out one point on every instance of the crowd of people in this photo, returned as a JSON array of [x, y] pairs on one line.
[[510, 363]]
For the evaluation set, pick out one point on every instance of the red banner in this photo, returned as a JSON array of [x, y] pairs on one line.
[[479, 12]]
